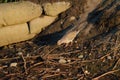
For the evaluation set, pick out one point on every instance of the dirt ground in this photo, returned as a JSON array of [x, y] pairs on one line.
[[96, 58]]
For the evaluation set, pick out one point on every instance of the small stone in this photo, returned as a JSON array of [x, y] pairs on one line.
[[87, 72], [85, 52], [53, 9], [61, 22], [68, 61], [77, 47], [72, 18], [109, 57], [62, 61], [20, 53], [80, 56], [28, 55], [58, 70], [85, 47], [13, 64]]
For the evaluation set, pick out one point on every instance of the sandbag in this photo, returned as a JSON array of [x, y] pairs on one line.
[[18, 12], [53, 9], [14, 34], [40, 23]]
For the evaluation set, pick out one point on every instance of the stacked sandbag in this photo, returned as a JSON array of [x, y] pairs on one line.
[[20, 21], [18, 12], [40, 23], [13, 21], [13, 34], [53, 9]]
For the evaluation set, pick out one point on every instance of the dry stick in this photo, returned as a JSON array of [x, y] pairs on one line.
[[9, 75], [58, 64], [44, 77], [110, 72], [78, 77], [76, 61], [1, 67], [117, 63], [38, 49], [25, 64], [35, 65], [64, 53], [57, 56], [9, 59], [46, 56], [114, 49], [105, 55], [56, 72]]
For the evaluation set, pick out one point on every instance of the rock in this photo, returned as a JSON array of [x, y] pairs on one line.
[[58, 70], [40, 23], [53, 9], [62, 61], [18, 12], [14, 34], [13, 64], [69, 61], [72, 18], [20, 53], [109, 57], [80, 56]]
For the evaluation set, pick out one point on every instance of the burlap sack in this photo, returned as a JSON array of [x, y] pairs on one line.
[[40, 23], [53, 9], [18, 12], [14, 34]]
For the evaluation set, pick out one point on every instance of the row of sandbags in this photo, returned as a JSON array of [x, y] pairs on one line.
[[20, 21]]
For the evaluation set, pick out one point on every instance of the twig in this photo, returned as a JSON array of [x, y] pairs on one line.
[[1, 67], [9, 59], [110, 72], [9, 75], [35, 51], [35, 65], [25, 64], [49, 76], [46, 55], [105, 56], [117, 64]]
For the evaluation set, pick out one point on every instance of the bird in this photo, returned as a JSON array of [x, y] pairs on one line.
[[68, 38]]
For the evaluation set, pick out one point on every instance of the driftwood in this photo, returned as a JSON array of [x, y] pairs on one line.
[[87, 21]]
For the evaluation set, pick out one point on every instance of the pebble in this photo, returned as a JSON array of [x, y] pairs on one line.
[[80, 56], [58, 70], [87, 72], [20, 53], [109, 57], [69, 61], [72, 18], [13, 64], [62, 61]]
